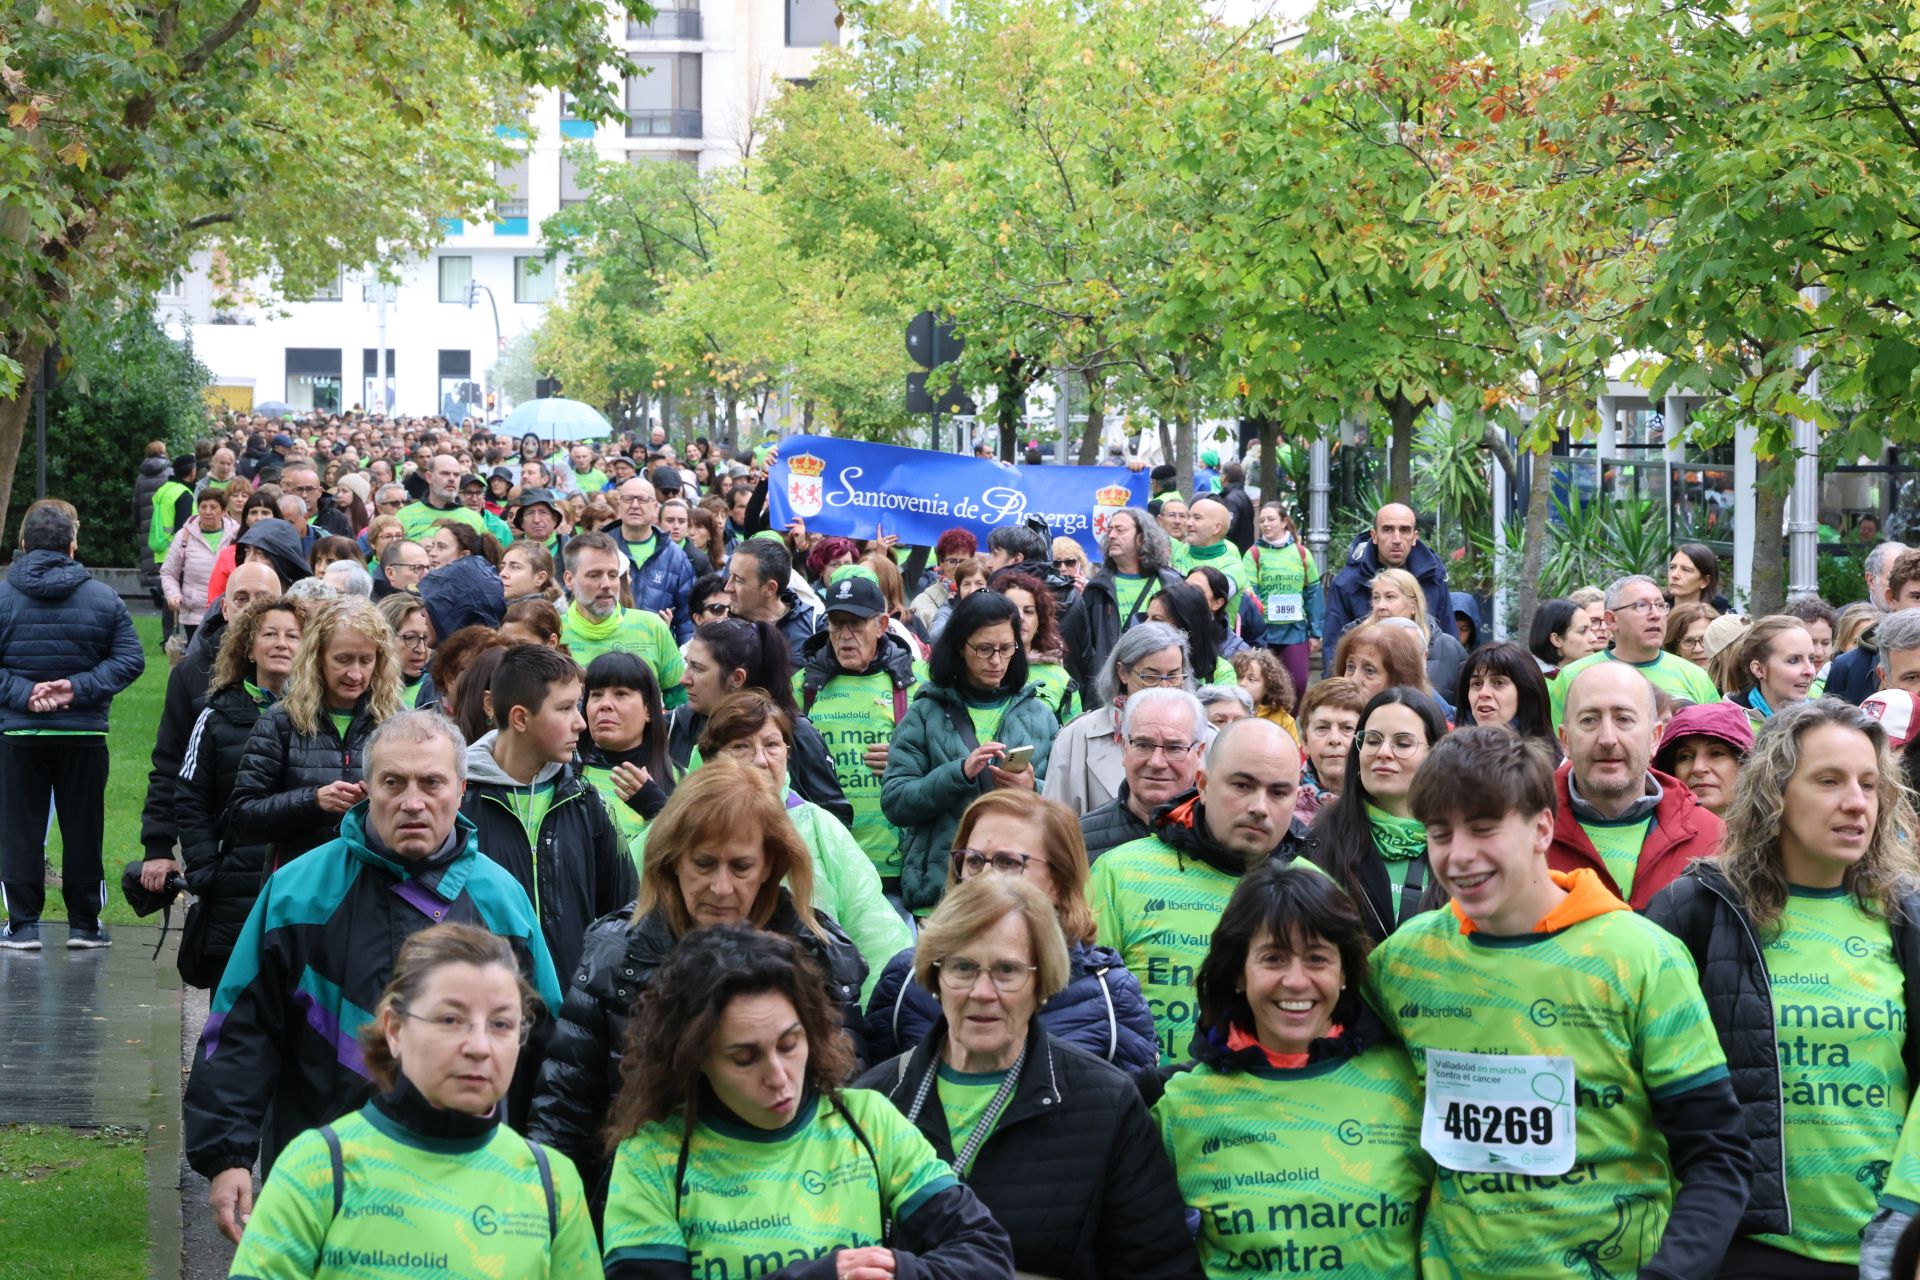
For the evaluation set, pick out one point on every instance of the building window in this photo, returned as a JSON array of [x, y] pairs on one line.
[[370, 380], [571, 125], [459, 394], [313, 379], [532, 280], [510, 214], [682, 22], [812, 24], [571, 192], [456, 273], [663, 99], [325, 293]]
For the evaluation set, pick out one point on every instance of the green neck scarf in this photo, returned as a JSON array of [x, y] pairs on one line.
[[587, 629], [1397, 839]]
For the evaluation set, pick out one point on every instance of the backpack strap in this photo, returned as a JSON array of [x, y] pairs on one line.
[[546, 1185], [899, 704], [809, 695], [334, 1157]]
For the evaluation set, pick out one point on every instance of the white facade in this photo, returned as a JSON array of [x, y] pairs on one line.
[[712, 65]]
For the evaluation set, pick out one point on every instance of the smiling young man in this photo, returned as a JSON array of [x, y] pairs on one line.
[[1157, 900], [1573, 1080], [536, 816], [1637, 617]]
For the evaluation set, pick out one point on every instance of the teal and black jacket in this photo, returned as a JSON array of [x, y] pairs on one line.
[[280, 1052]]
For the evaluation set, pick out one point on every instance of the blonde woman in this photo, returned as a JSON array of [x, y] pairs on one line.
[[301, 769], [1397, 594], [1806, 934]]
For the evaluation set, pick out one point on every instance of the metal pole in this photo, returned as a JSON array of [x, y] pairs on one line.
[[1803, 522], [1319, 488], [380, 361], [1062, 410]]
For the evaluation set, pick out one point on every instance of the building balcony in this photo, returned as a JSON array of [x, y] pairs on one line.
[[663, 124], [667, 24]]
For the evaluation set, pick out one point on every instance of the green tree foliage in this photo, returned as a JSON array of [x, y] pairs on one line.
[[121, 383]]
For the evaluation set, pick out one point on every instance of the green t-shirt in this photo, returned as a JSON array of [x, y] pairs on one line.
[[853, 713], [416, 1207], [1669, 672], [1840, 1010], [757, 1200], [1619, 844], [1399, 841], [1281, 576], [1127, 589], [640, 552], [1159, 909], [1053, 682], [591, 482], [530, 805], [410, 690], [212, 539], [417, 519], [342, 721], [1900, 1189], [966, 1097], [986, 717], [1296, 1171], [640, 632], [1618, 995], [1227, 558]]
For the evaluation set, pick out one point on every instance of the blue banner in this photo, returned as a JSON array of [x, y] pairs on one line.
[[860, 490]]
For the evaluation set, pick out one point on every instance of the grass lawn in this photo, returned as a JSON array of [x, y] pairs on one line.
[[73, 1203], [135, 720]]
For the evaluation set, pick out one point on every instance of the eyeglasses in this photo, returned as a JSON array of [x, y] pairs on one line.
[[1400, 744], [747, 750], [1654, 608], [971, 862], [1007, 976], [415, 639], [419, 567], [452, 1026], [1162, 678], [631, 500], [1148, 750], [988, 652]]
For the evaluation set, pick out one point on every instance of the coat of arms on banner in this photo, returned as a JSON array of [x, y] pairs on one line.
[[1106, 502], [804, 485]]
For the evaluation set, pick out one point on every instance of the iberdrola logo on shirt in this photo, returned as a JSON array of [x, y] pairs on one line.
[[1414, 1009]]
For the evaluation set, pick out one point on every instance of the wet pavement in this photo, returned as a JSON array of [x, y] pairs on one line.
[[91, 1038]]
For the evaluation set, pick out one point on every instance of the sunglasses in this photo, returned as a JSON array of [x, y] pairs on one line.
[[716, 611]]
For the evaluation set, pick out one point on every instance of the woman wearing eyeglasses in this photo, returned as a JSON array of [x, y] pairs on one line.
[[408, 618], [1057, 1145], [977, 724], [1100, 1010], [426, 1171], [1368, 840]]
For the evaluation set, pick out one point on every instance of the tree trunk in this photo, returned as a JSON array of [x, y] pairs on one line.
[[1534, 540], [1769, 538], [1096, 419], [1268, 480], [1167, 451], [1403, 413], [1183, 450], [732, 435], [14, 413]]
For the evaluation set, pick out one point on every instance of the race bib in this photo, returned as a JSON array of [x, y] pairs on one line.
[[1286, 607], [1490, 1113]]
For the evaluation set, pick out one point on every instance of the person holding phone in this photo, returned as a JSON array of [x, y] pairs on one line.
[[977, 724]]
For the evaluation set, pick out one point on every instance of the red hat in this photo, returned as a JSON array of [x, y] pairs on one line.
[[1721, 720]]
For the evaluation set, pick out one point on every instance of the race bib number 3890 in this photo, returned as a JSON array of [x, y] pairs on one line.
[[1499, 1113]]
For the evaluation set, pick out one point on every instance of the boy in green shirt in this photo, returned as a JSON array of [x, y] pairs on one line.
[[1576, 1099]]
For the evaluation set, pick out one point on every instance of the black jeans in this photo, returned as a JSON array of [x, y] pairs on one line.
[[1749, 1259], [73, 772]]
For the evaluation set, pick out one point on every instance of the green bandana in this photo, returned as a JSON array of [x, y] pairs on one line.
[[582, 623], [1397, 839]]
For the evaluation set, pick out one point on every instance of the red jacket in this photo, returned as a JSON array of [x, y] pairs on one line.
[[1681, 832]]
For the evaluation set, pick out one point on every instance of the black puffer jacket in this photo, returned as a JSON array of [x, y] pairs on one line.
[[1111, 825], [581, 870], [57, 622], [1699, 909], [276, 793], [1091, 627], [809, 765], [224, 876], [1074, 1170], [581, 1073], [153, 473]]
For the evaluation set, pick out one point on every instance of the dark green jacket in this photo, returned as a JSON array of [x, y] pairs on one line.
[[925, 790]]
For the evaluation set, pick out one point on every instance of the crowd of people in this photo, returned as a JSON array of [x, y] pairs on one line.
[[705, 899]]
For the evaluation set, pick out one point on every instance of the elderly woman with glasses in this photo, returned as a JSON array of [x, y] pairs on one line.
[[1088, 763], [441, 1049], [1100, 1009], [1056, 1144], [976, 725], [408, 618]]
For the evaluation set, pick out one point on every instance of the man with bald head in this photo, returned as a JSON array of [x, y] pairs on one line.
[[187, 695], [442, 502], [1392, 543], [1615, 815], [1158, 899]]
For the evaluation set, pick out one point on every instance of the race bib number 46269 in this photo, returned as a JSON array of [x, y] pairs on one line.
[[1499, 1113]]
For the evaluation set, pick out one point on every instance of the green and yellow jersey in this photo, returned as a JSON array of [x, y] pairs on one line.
[[853, 713], [1668, 672]]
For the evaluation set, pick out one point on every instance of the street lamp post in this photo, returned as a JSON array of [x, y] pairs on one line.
[[474, 290], [382, 295]]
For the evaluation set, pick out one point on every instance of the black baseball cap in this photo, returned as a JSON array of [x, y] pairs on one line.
[[855, 594]]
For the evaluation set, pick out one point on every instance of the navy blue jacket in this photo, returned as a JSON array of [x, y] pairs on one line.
[[1349, 596], [1100, 1011], [57, 623], [662, 581], [1853, 676], [466, 593]]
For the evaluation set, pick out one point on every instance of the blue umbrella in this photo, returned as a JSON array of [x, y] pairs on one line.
[[557, 418], [275, 409]]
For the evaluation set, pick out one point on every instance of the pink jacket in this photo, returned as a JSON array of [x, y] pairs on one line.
[[188, 569]]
